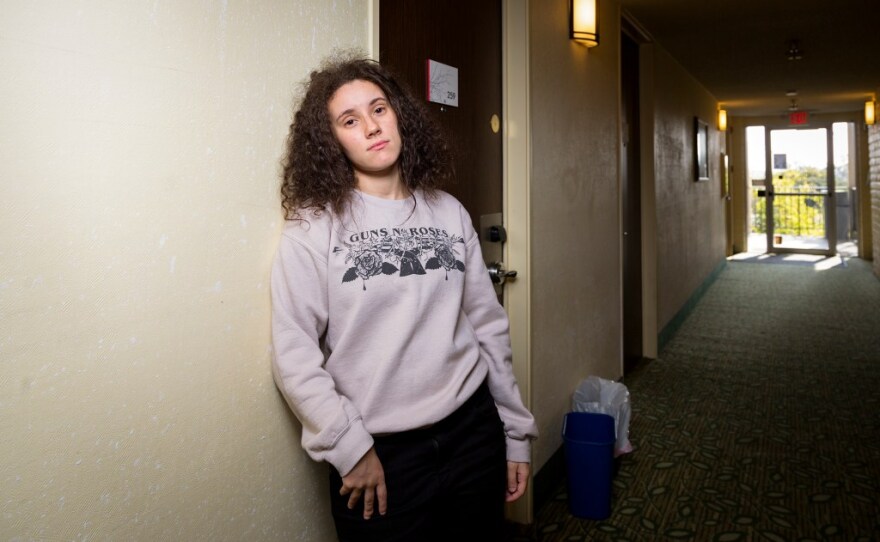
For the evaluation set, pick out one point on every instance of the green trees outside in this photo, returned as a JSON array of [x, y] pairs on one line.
[[794, 214]]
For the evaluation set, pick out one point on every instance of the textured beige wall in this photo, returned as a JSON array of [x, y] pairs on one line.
[[138, 217], [691, 239], [575, 260]]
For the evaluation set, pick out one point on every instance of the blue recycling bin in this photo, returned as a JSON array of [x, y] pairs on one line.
[[589, 455]]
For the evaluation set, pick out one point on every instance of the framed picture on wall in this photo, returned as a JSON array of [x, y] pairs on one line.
[[701, 150]]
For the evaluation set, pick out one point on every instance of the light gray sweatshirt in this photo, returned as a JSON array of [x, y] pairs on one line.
[[385, 320]]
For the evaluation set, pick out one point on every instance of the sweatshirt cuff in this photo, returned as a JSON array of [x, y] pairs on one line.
[[350, 448], [519, 451]]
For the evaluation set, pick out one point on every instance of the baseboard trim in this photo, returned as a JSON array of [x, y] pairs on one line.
[[672, 327]]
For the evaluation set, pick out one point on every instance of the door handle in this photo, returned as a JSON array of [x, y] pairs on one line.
[[498, 274]]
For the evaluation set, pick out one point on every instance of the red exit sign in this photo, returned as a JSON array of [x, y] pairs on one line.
[[798, 118]]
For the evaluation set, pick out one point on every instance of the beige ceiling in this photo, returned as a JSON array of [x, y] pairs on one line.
[[738, 50]]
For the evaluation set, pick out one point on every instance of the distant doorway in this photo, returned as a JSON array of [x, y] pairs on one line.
[[631, 195], [802, 189]]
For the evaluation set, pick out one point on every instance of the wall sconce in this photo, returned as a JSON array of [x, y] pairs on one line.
[[722, 120], [584, 22], [869, 112]]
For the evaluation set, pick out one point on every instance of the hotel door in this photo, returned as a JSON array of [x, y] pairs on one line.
[[466, 36]]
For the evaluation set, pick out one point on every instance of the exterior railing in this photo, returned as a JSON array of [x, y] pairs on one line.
[[798, 212]]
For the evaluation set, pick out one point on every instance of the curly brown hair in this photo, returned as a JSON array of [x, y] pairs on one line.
[[316, 172]]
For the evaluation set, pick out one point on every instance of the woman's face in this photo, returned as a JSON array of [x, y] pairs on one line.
[[365, 125]]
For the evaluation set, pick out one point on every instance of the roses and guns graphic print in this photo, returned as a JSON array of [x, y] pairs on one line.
[[406, 251]]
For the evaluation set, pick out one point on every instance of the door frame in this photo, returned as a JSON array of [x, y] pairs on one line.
[[516, 157], [516, 172]]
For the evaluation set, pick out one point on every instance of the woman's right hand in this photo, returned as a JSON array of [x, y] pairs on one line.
[[367, 480]]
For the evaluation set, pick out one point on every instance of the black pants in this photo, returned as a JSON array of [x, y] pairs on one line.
[[446, 482]]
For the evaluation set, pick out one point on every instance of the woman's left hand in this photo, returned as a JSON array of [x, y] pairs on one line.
[[517, 480], [367, 480]]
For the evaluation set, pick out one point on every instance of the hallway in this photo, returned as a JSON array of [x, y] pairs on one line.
[[141, 212], [759, 419]]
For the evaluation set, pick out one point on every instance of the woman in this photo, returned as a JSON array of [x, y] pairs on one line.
[[390, 345]]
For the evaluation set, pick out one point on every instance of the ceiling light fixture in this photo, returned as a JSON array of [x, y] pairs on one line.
[[794, 50]]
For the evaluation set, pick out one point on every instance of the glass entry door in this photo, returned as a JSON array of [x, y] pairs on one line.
[[800, 191]]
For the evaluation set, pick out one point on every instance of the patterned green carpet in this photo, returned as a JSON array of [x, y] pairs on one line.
[[759, 420]]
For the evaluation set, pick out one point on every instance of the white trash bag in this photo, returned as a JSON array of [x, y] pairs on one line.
[[604, 396]]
